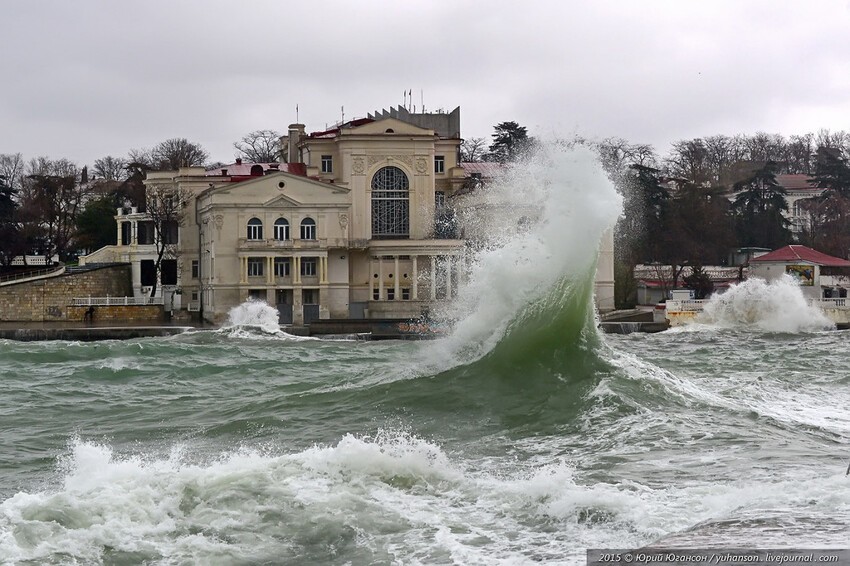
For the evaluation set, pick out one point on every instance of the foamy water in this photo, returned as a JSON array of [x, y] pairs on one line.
[[777, 306], [256, 319]]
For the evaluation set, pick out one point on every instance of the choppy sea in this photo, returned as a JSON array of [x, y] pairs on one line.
[[524, 437]]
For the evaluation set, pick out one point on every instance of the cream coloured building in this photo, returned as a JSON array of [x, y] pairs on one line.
[[353, 226]]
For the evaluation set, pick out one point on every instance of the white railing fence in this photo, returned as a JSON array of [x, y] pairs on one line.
[[115, 301]]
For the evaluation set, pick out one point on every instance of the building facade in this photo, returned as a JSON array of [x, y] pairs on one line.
[[355, 225]]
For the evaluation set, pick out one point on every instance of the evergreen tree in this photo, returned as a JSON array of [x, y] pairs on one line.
[[758, 208], [510, 142]]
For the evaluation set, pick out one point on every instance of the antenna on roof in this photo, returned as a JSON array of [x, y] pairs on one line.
[[422, 99], [342, 109], [296, 114]]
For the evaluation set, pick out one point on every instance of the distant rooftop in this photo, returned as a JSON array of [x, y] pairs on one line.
[[797, 183], [240, 169], [486, 169], [795, 252]]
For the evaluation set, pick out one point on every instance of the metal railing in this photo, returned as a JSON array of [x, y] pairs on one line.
[[115, 301], [56, 270], [694, 305], [698, 305]]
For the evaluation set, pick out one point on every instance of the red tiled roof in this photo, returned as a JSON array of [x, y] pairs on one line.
[[335, 130], [485, 169], [242, 169], [796, 182], [802, 253]]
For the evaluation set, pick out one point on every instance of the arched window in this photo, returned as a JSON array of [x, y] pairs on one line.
[[255, 229], [390, 203], [256, 170], [281, 229], [308, 229]]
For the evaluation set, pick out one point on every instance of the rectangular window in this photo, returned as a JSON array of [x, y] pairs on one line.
[[125, 233], [281, 267], [148, 272], [308, 266], [308, 231], [439, 199], [145, 232], [196, 269], [405, 294], [195, 295], [281, 231], [390, 294], [255, 230], [168, 272], [170, 232], [255, 266], [327, 164], [439, 164], [376, 294]]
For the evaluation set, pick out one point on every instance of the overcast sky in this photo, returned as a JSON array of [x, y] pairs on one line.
[[90, 78]]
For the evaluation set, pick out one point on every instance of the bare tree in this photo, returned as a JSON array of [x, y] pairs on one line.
[[12, 169], [472, 150], [169, 155], [178, 152], [260, 146], [110, 168], [166, 208]]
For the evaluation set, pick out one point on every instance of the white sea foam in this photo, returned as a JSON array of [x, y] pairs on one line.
[[256, 319], [777, 306], [541, 221], [387, 497]]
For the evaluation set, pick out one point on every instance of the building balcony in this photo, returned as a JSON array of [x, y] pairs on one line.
[[272, 245]]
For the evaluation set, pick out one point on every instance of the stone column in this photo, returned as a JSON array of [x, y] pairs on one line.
[[380, 278], [270, 270], [371, 278], [323, 271], [449, 265], [243, 269], [414, 291], [296, 274], [396, 278], [433, 278]]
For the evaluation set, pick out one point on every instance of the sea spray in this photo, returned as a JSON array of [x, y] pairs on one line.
[[775, 306], [244, 320], [535, 230]]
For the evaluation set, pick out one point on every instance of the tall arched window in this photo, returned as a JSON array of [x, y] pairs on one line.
[[308, 229], [281, 229], [255, 229], [390, 204]]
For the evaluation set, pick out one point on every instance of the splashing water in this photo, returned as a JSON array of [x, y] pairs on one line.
[[777, 306], [540, 223], [254, 313]]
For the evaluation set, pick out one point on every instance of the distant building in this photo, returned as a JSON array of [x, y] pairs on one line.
[[358, 224], [820, 275]]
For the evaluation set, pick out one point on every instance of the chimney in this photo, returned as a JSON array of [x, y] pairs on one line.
[[238, 161], [296, 132], [224, 172]]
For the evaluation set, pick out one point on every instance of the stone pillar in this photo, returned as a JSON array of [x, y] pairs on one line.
[[296, 274], [449, 265], [371, 278], [380, 278], [396, 278], [323, 269], [414, 291], [270, 270], [243, 269], [433, 278]]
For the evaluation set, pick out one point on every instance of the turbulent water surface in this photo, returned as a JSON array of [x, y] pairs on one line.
[[524, 437]]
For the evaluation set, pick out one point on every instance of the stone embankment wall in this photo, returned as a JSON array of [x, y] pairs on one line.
[[50, 299]]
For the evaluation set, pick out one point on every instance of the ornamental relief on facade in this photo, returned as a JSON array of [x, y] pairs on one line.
[[388, 159], [359, 166], [421, 166]]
